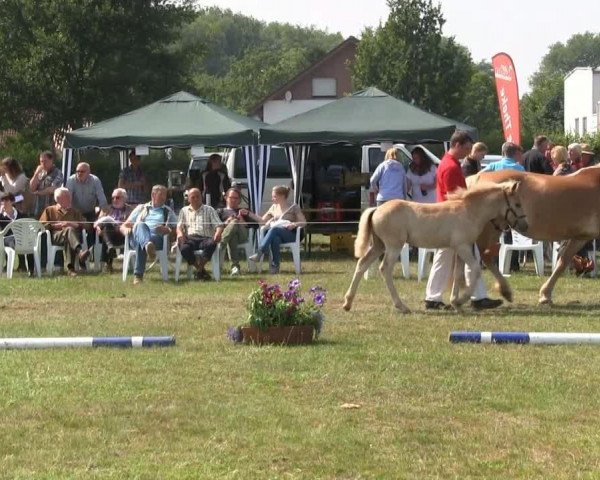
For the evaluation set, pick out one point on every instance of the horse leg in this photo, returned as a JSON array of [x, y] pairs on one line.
[[458, 278], [501, 284], [570, 248], [387, 268], [361, 267], [465, 253]]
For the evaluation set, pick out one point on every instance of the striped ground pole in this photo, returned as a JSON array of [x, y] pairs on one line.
[[61, 342], [540, 338]]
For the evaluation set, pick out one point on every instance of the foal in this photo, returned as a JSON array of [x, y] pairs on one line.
[[455, 223]]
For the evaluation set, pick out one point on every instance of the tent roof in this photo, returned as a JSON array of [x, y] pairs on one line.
[[179, 120], [367, 116]]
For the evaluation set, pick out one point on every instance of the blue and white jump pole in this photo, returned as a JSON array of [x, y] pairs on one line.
[[540, 338], [60, 342]]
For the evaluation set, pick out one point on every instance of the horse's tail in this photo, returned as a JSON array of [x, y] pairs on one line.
[[364, 233]]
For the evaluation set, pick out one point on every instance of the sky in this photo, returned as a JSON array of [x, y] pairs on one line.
[[525, 29]]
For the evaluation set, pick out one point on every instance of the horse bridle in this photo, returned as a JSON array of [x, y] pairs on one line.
[[509, 210]]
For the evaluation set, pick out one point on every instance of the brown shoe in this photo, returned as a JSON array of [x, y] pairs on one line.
[[137, 280], [151, 251]]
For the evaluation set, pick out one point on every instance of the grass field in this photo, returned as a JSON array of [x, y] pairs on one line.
[[210, 409]]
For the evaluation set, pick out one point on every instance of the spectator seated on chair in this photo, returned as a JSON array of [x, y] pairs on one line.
[[281, 219], [236, 222], [66, 226], [9, 213], [198, 228], [148, 223], [108, 226]]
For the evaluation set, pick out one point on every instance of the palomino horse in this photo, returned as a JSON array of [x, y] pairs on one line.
[[557, 208], [455, 223]]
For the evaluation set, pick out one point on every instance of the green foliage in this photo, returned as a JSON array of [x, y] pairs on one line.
[[410, 59], [26, 147], [68, 62], [234, 48], [481, 107], [543, 107], [271, 306]]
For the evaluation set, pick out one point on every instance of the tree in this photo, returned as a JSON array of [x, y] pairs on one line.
[[543, 108], [409, 58], [481, 106], [65, 63], [232, 48]]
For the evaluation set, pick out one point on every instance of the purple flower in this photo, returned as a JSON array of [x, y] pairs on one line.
[[316, 289], [235, 334], [319, 299], [294, 284]]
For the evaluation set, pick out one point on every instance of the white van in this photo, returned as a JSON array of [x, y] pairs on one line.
[[372, 156], [279, 173]]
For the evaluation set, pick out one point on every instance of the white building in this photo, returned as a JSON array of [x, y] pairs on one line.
[[582, 99]]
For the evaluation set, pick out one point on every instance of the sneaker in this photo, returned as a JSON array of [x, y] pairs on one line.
[[273, 269], [83, 256], [433, 305], [257, 257], [235, 271], [71, 272], [151, 251], [111, 252], [486, 303], [137, 279], [203, 276]]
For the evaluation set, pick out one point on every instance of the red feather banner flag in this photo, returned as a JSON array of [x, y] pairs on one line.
[[508, 96]]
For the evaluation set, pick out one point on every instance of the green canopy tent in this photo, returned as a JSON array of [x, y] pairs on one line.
[[181, 120], [367, 116]]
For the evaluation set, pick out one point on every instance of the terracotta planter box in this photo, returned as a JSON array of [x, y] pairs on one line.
[[293, 335]]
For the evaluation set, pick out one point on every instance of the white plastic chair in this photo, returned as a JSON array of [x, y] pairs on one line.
[[521, 243], [28, 240], [422, 261], [52, 250], [294, 247], [404, 262], [162, 256], [215, 261]]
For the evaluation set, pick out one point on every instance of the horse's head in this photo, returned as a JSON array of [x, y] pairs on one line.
[[514, 215]]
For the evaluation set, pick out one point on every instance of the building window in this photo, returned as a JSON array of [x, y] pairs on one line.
[[576, 126], [324, 87], [584, 125]]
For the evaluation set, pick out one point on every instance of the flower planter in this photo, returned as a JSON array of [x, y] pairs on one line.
[[292, 335]]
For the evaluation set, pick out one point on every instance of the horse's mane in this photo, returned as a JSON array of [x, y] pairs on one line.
[[480, 188]]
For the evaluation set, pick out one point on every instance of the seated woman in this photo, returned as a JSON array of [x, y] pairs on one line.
[[108, 226], [281, 219], [13, 180]]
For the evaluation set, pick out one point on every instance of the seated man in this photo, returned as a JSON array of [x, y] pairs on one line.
[[108, 226], [198, 228], [236, 221], [66, 225], [148, 223]]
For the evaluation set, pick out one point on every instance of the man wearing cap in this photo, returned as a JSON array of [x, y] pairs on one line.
[[587, 155]]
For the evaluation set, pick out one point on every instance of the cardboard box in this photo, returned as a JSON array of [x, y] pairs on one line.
[[342, 242]]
